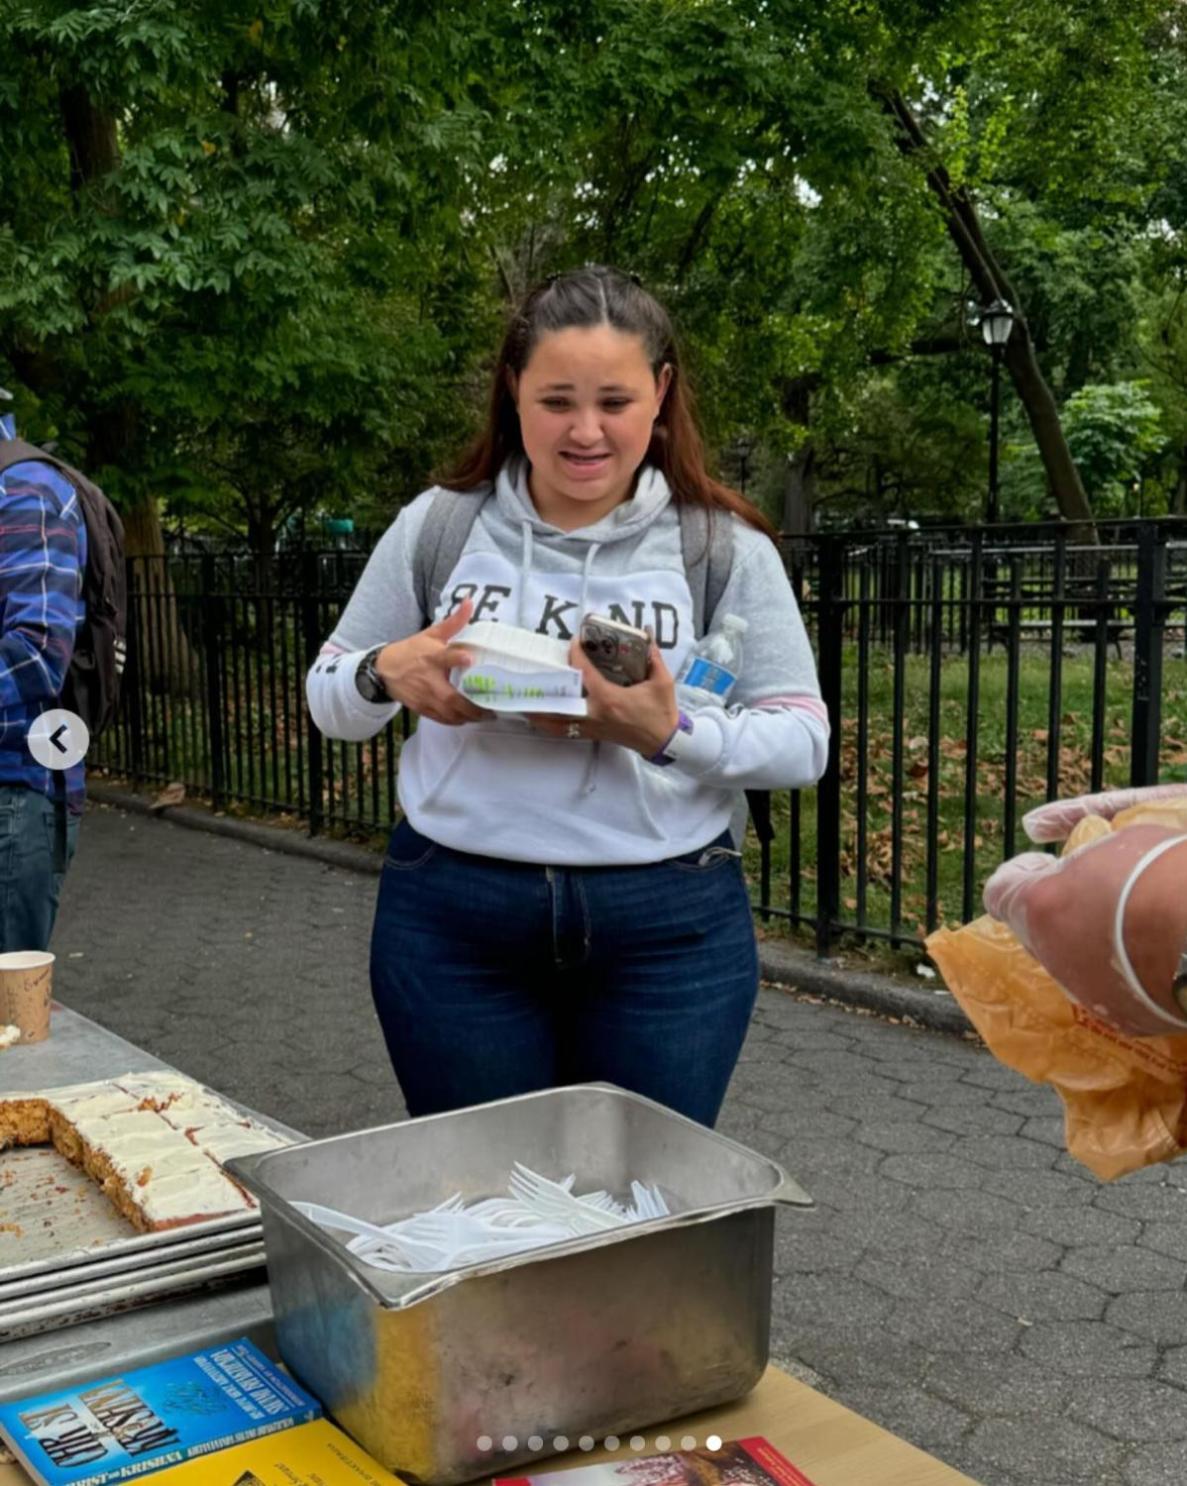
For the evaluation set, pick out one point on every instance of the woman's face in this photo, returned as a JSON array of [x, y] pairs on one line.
[[587, 400]]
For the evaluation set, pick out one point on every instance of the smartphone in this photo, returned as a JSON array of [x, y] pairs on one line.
[[619, 651]]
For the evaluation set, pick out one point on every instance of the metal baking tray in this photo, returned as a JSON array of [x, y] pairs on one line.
[[597, 1335], [123, 1292]]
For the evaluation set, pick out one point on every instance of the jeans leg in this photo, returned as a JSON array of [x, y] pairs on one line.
[[670, 985], [460, 975], [29, 886]]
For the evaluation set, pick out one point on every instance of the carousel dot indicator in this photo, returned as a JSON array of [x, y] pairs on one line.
[[638, 1442], [535, 1442], [510, 1442], [713, 1442], [688, 1442], [586, 1442], [561, 1442], [612, 1442], [662, 1443], [484, 1442]]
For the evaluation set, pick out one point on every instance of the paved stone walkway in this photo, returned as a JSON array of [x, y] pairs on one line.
[[961, 1281]]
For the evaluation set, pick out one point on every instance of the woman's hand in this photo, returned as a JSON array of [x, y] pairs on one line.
[[1064, 910], [642, 717], [416, 671]]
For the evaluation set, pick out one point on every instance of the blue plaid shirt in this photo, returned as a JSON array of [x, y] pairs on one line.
[[43, 553]]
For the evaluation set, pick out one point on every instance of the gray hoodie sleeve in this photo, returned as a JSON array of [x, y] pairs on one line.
[[775, 733], [382, 608]]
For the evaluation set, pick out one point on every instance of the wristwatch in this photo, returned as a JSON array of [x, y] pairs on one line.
[[669, 753], [367, 679]]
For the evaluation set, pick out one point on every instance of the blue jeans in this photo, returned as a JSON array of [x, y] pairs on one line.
[[31, 871], [496, 978]]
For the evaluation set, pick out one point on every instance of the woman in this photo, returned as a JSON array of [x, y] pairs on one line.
[[562, 901]]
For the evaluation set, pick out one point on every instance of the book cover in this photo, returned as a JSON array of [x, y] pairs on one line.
[[151, 1417], [748, 1462], [317, 1454]]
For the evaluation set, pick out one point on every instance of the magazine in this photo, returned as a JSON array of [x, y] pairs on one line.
[[748, 1462], [152, 1417]]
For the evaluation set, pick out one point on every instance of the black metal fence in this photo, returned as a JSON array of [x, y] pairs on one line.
[[969, 675]]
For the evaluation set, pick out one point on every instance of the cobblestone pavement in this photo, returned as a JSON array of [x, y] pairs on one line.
[[961, 1281]]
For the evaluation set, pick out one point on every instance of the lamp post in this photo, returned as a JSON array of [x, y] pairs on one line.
[[742, 448], [996, 321]]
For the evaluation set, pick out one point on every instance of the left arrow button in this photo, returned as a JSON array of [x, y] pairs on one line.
[[58, 739]]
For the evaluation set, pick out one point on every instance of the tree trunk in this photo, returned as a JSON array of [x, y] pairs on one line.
[[1179, 498], [964, 228], [799, 489], [799, 493], [165, 658]]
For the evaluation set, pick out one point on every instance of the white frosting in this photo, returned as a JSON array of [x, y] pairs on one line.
[[8, 1035], [166, 1153]]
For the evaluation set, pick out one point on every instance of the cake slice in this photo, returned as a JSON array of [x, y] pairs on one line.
[[153, 1142]]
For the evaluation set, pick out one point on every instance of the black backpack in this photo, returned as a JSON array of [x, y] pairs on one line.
[[91, 688]]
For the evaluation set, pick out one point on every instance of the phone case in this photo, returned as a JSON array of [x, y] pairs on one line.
[[619, 651]]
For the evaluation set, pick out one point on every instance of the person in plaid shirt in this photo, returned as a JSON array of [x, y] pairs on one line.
[[42, 561]]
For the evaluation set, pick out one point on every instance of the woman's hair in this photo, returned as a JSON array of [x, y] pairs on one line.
[[590, 296]]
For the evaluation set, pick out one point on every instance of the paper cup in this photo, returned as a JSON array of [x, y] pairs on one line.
[[26, 983]]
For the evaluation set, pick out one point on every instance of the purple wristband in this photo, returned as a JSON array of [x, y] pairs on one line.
[[683, 725]]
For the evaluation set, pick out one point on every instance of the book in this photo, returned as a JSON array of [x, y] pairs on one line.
[[317, 1454], [749, 1462], [152, 1417]]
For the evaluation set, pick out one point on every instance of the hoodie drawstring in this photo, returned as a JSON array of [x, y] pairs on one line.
[[525, 569], [589, 780]]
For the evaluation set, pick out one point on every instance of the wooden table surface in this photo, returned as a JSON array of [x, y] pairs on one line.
[[832, 1445]]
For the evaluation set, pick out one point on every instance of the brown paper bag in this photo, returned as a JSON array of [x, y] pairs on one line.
[[1125, 1098]]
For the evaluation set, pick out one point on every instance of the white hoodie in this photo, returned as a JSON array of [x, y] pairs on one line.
[[499, 788]]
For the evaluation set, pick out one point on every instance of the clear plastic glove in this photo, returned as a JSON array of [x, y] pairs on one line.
[[1107, 921], [1055, 822]]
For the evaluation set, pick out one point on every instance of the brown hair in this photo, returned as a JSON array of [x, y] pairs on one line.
[[589, 296]]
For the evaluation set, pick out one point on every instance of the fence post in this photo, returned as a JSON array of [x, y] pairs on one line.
[[311, 629], [212, 644], [1149, 622], [131, 681], [831, 614]]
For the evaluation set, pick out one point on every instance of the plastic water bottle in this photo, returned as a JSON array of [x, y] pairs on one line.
[[713, 665]]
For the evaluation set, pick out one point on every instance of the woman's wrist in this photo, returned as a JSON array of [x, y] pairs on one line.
[[659, 755], [388, 665]]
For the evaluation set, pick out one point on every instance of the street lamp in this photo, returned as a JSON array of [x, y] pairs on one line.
[[742, 448], [996, 321]]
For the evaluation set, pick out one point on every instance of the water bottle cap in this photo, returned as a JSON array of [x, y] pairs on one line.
[[736, 623]]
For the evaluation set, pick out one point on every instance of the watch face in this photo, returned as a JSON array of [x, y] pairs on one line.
[[368, 680]]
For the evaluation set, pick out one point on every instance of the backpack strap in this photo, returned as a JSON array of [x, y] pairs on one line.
[[20, 451], [707, 544], [443, 535]]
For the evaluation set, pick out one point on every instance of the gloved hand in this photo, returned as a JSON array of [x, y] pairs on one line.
[[1056, 821], [1108, 921]]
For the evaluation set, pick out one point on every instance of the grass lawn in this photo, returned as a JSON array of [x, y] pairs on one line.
[[868, 821]]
